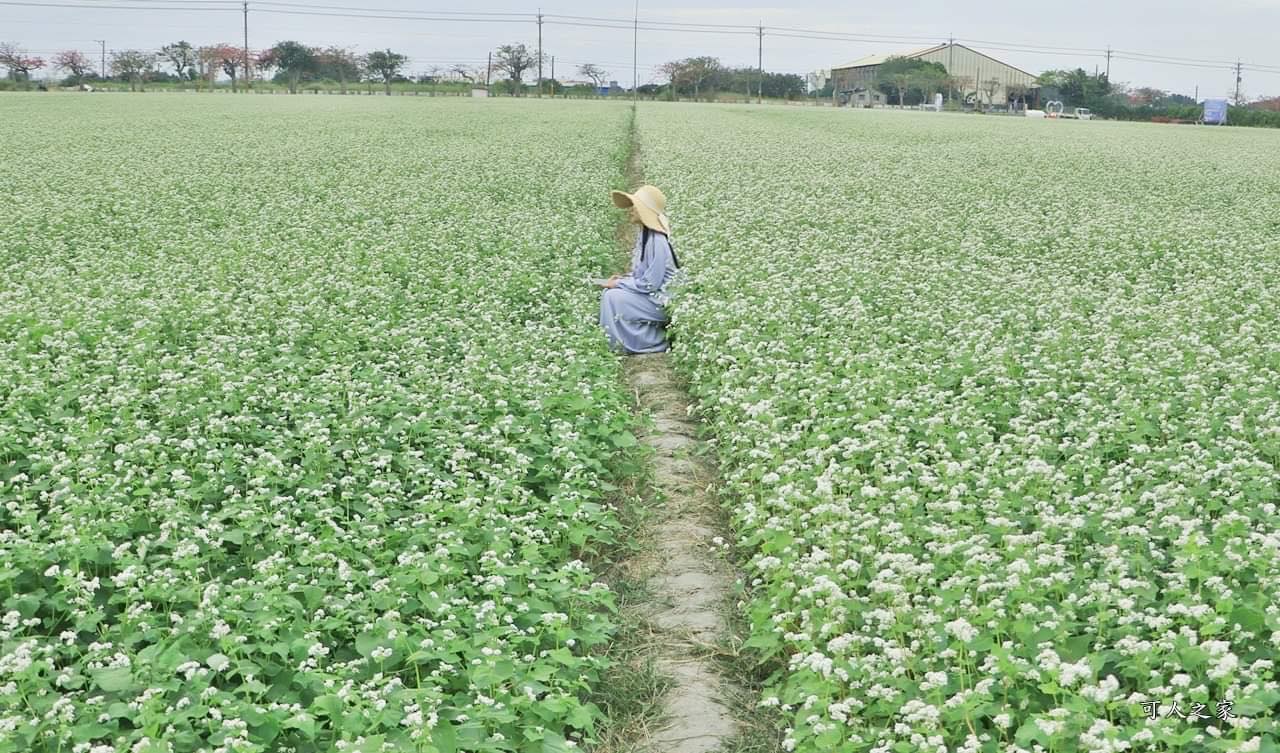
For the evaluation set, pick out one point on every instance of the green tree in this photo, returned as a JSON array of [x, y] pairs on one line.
[[386, 65], [514, 60], [182, 56], [132, 66], [1078, 88], [910, 78], [340, 64], [294, 60], [593, 72], [783, 85], [693, 76]]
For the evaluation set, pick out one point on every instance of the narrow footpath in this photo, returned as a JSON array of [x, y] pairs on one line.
[[687, 585]]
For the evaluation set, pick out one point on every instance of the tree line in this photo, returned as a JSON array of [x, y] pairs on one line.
[[289, 62], [705, 77], [293, 64]]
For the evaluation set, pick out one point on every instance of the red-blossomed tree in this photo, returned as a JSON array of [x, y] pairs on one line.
[[75, 63], [208, 63], [19, 63], [263, 62], [221, 57]]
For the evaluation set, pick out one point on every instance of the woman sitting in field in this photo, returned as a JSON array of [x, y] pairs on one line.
[[631, 309]]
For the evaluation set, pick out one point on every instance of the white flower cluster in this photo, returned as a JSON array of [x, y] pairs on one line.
[[986, 414], [302, 397]]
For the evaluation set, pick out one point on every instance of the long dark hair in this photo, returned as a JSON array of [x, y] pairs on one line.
[[644, 242]]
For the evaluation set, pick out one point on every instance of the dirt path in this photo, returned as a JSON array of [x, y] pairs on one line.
[[687, 583], [687, 586]]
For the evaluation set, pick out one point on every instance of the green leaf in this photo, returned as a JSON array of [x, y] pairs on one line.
[[367, 641], [1028, 732], [89, 731], [330, 705], [445, 737], [113, 679], [554, 743], [584, 717], [304, 723]]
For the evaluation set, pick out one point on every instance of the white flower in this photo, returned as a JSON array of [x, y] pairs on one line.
[[962, 630]]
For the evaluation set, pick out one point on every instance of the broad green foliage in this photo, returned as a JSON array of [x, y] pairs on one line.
[[305, 421], [997, 404]]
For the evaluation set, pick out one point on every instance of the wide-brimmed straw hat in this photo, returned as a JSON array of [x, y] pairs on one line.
[[650, 205]]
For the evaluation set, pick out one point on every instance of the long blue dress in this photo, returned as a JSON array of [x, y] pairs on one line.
[[632, 313]]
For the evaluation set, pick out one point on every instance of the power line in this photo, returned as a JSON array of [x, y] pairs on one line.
[[1032, 46], [281, 7], [825, 38], [381, 17], [1042, 52], [109, 4], [232, 7], [664, 23], [516, 16], [855, 37], [1155, 57], [1170, 62], [650, 26]]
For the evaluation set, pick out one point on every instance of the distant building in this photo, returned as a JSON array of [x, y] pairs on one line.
[[970, 67], [817, 80], [863, 96]]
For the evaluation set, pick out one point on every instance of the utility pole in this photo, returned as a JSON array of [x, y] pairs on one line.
[[760, 64], [635, 47], [539, 52], [246, 45], [553, 75], [103, 42], [951, 59], [1108, 64], [488, 69], [1238, 80]]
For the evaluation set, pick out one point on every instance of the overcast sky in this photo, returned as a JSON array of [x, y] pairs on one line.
[[1206, 30]]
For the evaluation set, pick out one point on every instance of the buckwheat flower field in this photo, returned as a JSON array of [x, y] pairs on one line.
[[305, 423], [996, 404]]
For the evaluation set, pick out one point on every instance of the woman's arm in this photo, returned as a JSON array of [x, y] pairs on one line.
[[648, 277]]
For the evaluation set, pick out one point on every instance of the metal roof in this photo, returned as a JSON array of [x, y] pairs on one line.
[[870, 60], [880, 58]]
